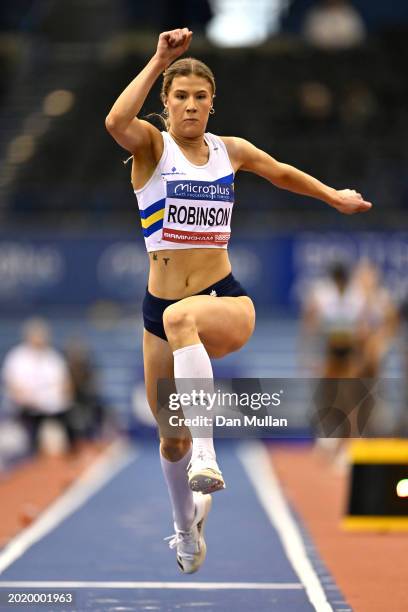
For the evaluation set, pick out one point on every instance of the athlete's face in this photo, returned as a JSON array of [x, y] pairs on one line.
[[188, 103]]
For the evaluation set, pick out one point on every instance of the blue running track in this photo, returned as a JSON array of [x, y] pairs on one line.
[[116, 536]]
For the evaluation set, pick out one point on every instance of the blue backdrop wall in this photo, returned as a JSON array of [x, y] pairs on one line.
[[74, 271]]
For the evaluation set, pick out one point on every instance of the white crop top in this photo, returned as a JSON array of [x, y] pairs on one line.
[[339, 312], [184, 206]]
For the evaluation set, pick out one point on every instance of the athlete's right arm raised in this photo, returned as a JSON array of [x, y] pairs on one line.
[[122, 123]]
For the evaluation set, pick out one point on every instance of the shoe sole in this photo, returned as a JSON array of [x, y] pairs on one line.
[[205, 482], [203, 545]]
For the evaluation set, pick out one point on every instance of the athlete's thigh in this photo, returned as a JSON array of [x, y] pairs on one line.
[[224, 324]]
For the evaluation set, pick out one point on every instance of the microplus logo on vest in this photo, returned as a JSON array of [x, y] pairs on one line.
[[200, 190]]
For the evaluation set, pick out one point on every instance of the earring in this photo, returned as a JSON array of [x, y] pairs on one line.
[[165, 112], [212, 110]]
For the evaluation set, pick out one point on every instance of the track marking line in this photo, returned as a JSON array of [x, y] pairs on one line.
[[116, 457], [257, 586], [258, 466]]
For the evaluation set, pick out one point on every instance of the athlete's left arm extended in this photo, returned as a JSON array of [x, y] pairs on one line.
[[250, 158]]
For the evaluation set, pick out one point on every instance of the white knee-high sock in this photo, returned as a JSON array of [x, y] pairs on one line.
[[181, 496], [193, 364]]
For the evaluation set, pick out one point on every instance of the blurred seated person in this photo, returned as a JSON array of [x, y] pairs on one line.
[[89, 411], [334, 24], [37, 384]]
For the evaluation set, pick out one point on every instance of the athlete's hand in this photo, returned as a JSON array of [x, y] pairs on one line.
[[349, 201], [173, 44]]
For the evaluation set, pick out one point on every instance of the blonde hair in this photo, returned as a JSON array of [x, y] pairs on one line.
[[183, 67]]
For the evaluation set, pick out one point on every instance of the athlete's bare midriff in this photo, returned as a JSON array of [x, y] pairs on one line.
[[178, 273]]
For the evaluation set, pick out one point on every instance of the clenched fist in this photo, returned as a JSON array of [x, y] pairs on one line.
[[173, 44], [349, 201]]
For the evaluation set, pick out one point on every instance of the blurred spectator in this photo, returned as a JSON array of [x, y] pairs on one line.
[[380, 319], [89, 412], [402, 426], [316, 101], [359, 105], [379, 328], [37, 383], [332, 320], [244, 23], [334, 24]]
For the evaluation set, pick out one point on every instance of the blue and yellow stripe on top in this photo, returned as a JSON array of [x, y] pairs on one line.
[[152, 217]]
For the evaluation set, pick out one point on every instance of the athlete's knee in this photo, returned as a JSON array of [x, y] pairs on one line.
[[240, 337], [174, 449], [244, 332], [176, 320]]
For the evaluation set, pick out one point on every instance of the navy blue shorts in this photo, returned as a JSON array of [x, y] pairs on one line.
[[153, 307]]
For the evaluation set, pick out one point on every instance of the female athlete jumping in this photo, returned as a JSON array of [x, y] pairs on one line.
[[194, 308]]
